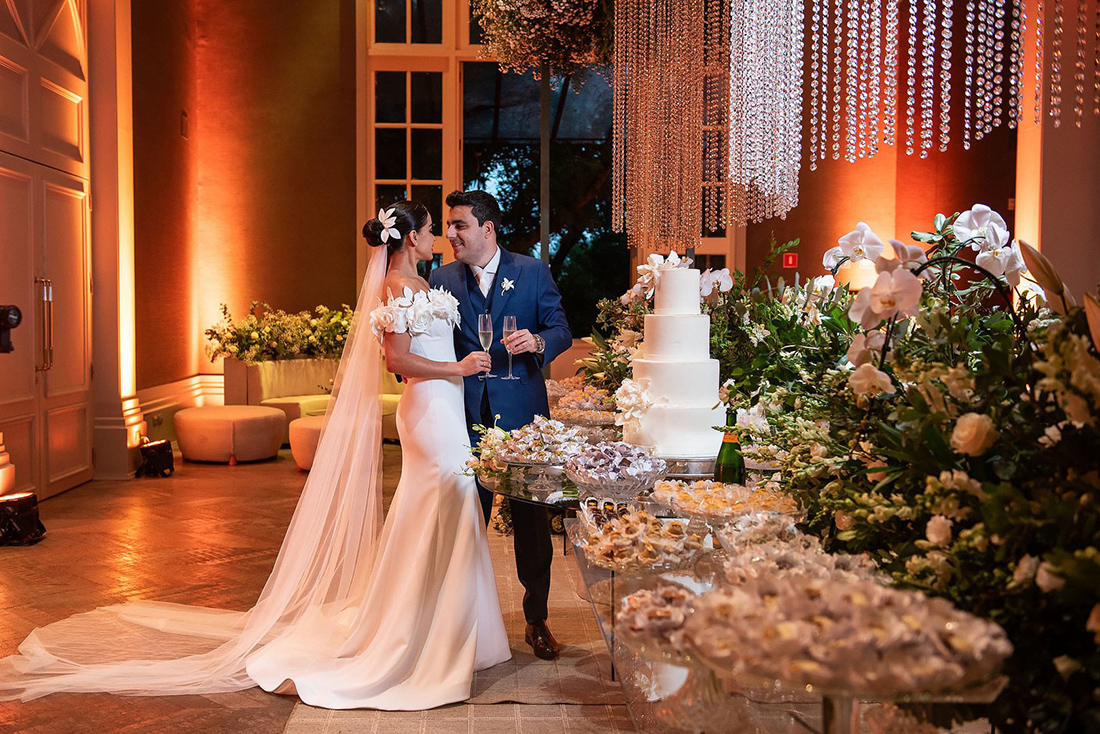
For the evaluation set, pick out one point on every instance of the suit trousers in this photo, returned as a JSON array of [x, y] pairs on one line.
[[531, 540]]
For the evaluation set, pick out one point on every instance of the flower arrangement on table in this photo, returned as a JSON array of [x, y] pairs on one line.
[[566, 34], [269, 334], [957, 445]]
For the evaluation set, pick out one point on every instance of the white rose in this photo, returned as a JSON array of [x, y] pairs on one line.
[[1025, 570], [1093, 623], [870, 380], [420, 316], [382, 320], [974, 434], [938, 530], [1046, 578]]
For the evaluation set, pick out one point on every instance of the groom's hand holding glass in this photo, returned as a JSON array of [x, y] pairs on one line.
[[522, 341]]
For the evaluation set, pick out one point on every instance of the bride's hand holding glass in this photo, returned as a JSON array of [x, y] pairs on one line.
[[473, 363]]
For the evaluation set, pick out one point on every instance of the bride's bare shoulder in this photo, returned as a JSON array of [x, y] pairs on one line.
[[396, 283]]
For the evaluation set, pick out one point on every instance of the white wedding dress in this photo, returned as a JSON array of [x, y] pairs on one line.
[[432, 616], [355, 613]]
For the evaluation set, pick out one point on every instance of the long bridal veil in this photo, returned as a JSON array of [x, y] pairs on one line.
[[322, 570]]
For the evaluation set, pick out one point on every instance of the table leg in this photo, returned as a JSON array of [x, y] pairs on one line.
[[840, 714]]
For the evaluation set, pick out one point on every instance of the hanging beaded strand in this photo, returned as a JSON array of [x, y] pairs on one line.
[[876, 76], [928, 76], [998, 52], [968, 80], [838, 42], [911, 87], [1079, 64], [1038, 61], [864, 91], [851, 84], [890, 111], [1056, 64], [815, 75], [945, 76], [1015, 83]]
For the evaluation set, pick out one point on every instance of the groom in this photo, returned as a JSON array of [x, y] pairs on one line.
[[487, 278]]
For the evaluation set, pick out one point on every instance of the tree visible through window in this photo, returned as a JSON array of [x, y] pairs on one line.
[[501, 155]]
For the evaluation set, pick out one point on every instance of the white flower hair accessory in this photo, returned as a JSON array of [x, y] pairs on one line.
[[388, 220]]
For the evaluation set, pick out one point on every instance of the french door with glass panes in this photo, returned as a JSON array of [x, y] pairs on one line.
[[412, 149]]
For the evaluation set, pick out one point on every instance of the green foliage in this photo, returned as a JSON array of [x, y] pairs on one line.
[[976, 479], [268, 334]]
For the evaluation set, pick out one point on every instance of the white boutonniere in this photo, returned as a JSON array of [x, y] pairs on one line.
[[506, 285]]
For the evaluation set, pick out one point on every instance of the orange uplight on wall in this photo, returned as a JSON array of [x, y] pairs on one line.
[[858, 274]]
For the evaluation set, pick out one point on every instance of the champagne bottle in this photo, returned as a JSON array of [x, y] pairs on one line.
[[729, 467]]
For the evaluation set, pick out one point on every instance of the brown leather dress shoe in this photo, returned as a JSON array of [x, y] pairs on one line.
[[542, 642]]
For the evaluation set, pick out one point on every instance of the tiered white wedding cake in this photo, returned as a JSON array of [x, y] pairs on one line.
[[675, 369]]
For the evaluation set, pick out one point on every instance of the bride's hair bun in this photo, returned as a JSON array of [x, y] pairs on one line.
[[408, 216]]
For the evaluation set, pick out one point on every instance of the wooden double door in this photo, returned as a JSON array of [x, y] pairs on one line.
[[45, 250]]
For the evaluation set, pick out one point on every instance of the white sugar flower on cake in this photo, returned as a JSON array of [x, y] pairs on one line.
[[649, 271], [633, 400]]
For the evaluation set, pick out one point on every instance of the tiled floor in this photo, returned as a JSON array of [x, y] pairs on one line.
[[208, 535]]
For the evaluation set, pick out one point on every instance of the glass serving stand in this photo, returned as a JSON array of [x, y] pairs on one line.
[[668, 690]]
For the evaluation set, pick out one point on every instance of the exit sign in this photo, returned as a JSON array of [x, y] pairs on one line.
[[790, 259]]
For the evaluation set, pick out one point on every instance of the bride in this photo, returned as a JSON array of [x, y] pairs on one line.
[[355, 614]]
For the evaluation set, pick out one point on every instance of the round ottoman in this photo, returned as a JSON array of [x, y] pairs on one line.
[[230, 433], [304, 434]]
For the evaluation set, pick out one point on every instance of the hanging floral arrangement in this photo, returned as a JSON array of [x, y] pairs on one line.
[[567, 34]]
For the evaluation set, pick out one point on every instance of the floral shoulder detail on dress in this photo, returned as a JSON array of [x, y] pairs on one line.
[[414, 312]]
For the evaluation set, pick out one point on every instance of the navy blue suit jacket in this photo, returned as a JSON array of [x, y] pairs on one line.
[[536, 303]]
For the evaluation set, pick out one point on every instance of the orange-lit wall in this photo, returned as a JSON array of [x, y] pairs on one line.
[[276, 174], [164, 195], [258, 203]]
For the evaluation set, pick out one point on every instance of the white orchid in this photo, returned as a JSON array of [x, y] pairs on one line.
[[865, 347], [507, 285], [654, 264], [906, 256], [861, 244], [1006, 261], [870, 380], [981, 228], [832, 257], [719, 280], [388, 220], [895, 293], [822, 284]]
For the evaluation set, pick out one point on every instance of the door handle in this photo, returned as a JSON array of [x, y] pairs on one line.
[[49, 323], [45, 354]]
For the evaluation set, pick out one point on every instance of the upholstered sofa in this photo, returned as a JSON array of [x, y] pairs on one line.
[[298, 388]]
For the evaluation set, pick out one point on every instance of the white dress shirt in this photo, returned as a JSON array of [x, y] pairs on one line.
[[487, 274]]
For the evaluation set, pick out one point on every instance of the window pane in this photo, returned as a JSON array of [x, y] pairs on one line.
[[389, 96], [476, 34], [431, 197], [386, 194], [427, 154], [389, 21], [427, 21], [427, 96], [389, 153]]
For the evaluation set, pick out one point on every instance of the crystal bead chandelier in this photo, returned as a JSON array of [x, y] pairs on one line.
[[709, 96]]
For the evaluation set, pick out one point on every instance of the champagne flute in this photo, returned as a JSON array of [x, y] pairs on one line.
[[485, 334], [509, 329]]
